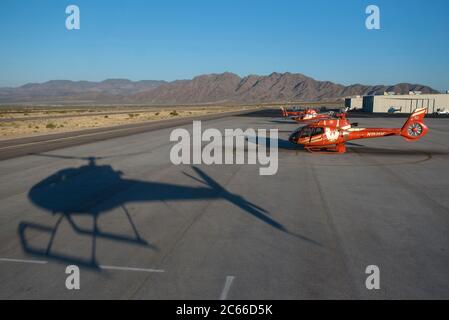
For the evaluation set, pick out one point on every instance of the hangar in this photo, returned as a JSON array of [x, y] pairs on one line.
[[392, 103], [354, 103]]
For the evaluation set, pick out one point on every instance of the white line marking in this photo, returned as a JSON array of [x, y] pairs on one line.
[[23, 261], [101, 266], [130, 269], [112, 129], [65, 138], [227, 286]]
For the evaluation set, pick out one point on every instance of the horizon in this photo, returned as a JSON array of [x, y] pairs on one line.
[[175, 40], [221, 73]]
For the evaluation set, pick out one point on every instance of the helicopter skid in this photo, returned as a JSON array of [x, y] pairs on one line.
[[339, 148]]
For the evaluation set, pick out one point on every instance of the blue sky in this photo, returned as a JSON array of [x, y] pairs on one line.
[[178, 39]]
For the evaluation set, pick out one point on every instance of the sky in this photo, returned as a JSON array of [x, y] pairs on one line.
[[179, 39]]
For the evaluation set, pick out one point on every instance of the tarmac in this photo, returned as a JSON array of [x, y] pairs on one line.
[[139, 227]]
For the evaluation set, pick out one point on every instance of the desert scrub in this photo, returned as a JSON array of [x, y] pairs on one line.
[[174, 113], [50, 126]]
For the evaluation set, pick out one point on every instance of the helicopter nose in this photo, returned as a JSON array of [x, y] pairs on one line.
[[292, 137]]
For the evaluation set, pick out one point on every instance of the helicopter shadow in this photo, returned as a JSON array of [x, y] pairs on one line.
[[282, 144], [284, 121], [287, 145], [358, 148], [93, 190]]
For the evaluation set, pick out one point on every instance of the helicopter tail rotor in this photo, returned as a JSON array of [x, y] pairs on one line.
[[284, 113], [415, 128]]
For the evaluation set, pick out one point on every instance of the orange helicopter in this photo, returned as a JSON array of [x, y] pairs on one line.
[[307, 116], [311, 116], [330, 135], [292, 113]]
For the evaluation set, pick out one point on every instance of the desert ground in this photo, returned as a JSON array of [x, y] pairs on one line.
[[17, 122]]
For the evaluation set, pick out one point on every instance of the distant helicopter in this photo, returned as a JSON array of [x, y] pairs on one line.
[[310, 115], [292, 113], [330, 135], [93, 190], [394, 110]]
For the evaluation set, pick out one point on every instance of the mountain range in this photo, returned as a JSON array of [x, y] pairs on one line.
[[210, 88]]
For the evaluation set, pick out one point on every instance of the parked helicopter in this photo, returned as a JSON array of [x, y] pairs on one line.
[[293, 113], [309, 115], [330, 135]]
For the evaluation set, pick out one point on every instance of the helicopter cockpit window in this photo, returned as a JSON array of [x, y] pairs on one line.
[[294, 136], [318, 131], [306, 132]]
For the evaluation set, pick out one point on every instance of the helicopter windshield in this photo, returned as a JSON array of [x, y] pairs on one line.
[[306, 132], [310, 132], [318, 131]]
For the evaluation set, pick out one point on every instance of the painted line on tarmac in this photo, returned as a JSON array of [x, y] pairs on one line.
[[23, 261], [130, 269], [67, 138], [227, 286], [100, 266], [115, 129]]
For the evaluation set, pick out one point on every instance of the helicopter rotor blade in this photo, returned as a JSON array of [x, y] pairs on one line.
[[194, 178], [211, 182]]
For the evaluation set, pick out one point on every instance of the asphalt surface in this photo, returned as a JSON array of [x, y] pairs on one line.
[[223, 231]]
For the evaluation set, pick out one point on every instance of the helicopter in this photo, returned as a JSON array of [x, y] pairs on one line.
[[330, 135], [293, 113], [93, 190], [310, 115]]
